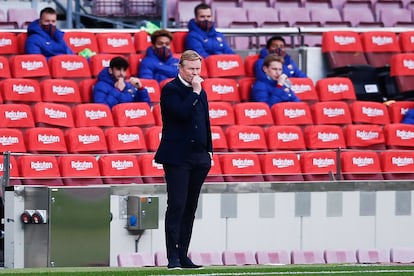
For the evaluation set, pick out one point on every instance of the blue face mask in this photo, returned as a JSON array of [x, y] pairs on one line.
[[163, 53], [50, 29], [205, 25]]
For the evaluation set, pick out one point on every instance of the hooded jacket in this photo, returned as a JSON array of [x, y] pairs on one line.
[[40, 42], [152, 67], [289, 66], [206, 43], [270, 92], [105, 92]]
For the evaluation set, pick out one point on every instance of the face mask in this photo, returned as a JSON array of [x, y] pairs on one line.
[[205, 25], [278, 51], [50, 29], [163, 52]]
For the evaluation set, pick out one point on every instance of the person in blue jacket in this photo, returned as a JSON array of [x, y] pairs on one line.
[[202, 36], [112, 88], [44, 38], [276, 45], [408, 117], [159, 63], [275, 88]]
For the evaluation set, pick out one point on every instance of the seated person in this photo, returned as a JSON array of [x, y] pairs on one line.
[[159, 63], [275, 87], [408, 117], [112, 88], [44, 38], [202, 37], [276, 45]]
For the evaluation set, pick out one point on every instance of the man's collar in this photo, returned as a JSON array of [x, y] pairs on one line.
[[184, 82]]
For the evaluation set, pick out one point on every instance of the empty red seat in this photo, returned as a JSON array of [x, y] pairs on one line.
[[151, 171], [53, 114], [40, 170], [335, 89], [8, 43], [79, 41], [156, 112], [221, 89], [285, 138], [331, 113], [365, 112], [319, 165], [399, 136], [249, 62], [397, 164], [361, 165], [86, 89], [133, 114], [245, 87], [379, 46], [324, 137], [241, 167], [45, 140], [246, 138], [99, 62], [18, 90], [225, 65], [364, 136], [253, 113], [115, 43], [219, 139], [79, 170], [60, 91], [69, 67], [221, 114], [92, 114], [125, 139], [29, 66], [86, 140], [14, 171], [398, 109], [304, 89], [281, 166], [11, 139], [406, 40], [142, 40], [292, 113], [4, 68], [153, 137], [16, 115], [215, 173], [153, 88], [307, 257], [402, 71], [120, 169]]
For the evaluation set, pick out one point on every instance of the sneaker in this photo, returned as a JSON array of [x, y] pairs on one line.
[[187, 263], [174, 265]]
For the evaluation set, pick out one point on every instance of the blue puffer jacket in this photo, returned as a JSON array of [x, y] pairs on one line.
[[289, 66], [40, 42], [270, 92], [105, 92], [408, 117], [206, 43], [151, 67]]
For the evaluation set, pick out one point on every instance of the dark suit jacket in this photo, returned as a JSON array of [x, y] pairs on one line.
[[178, 113]]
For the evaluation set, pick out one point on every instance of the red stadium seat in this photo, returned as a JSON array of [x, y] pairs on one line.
[[364, 112], [115, 43], [219, 139], [125, 139], [245, 87], [4, 68], [8, 44], [402, 70], [133, 114], [324, 137], [79, 41], [86, 90], [86, 140], [331, 113], [151, 172], [69, 67], [249, 62], [304, 89], [52, 115], [153, 88], [215, 174], [40, 170], [14, 171], [253, 113], [246, 138], [156, 112], [319, 165], [142, 40], [153, 137], [79, 170], [16, 115], [361, 165], [99, 62], [60, 91], [379, 46], [398, 109], [397, 164], [16, 90], [134, 61], [406, 40], [221, 89], [221, 114], [92, 114], [364, 136], [45, 140], [292, 113], [335, 89], [11, 139], [399, 136], [307, 257], [281, 166], [29, 66], [120, 169], [179, 41], [285, 138], [225, 65], [241, 167]]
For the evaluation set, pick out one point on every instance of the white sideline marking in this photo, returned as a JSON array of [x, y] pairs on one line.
[[299, 273]]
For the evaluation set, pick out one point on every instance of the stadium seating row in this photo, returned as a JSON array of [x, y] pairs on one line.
[[276, 257]]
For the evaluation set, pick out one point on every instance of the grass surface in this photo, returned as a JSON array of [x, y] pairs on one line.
[[224, 270]]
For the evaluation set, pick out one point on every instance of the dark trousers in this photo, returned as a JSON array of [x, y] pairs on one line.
[[183, 189]]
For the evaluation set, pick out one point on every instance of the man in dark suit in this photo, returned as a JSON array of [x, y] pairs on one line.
[[185, 152]]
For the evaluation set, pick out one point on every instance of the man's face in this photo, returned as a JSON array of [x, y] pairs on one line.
[[117, 73], [162, 41], [275, 45], [274, 70], [48, 18], [203, 15], [189, 69]]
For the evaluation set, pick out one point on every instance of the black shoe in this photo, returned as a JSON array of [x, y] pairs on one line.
[[174, 265], [187, 263]]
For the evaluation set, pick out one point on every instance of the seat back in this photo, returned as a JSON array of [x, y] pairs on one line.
[[241, 167], [366, 112], [11, 139], [379, 46], [399, 136], [225, 65], [335, 89], [285, 138], [151, 171], [133, 114], [79, 41], [398, 109], [29, 66], [361, 165], [304, 89], [115, 43], [253, 113], [221, 114], [153, 88], [294, 15], [86, 140], [397, 164], [40, 170], [16, 115], [364, 136], [324, 137], [359, 15], [391, 16], [245, 87], [22, 16], [8, 45], [292, 113], [153, 137], [14, 171], [4, 68], [60, 91], [249, 62], [325, 16], [281, 166], [402, 70], [246, 138], [318, 165], [18, 90], [45, 140], [92, 114], [331, 113], [221, 89], [219, 139], [119, 169], [99, 62], [79, 170], [406, 40], [69, 67], [53, 114], [125, 139], [215, 174]]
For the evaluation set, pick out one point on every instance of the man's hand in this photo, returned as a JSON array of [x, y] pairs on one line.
[[282, 79], [196, 84], [120, 84], [135, 82]]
